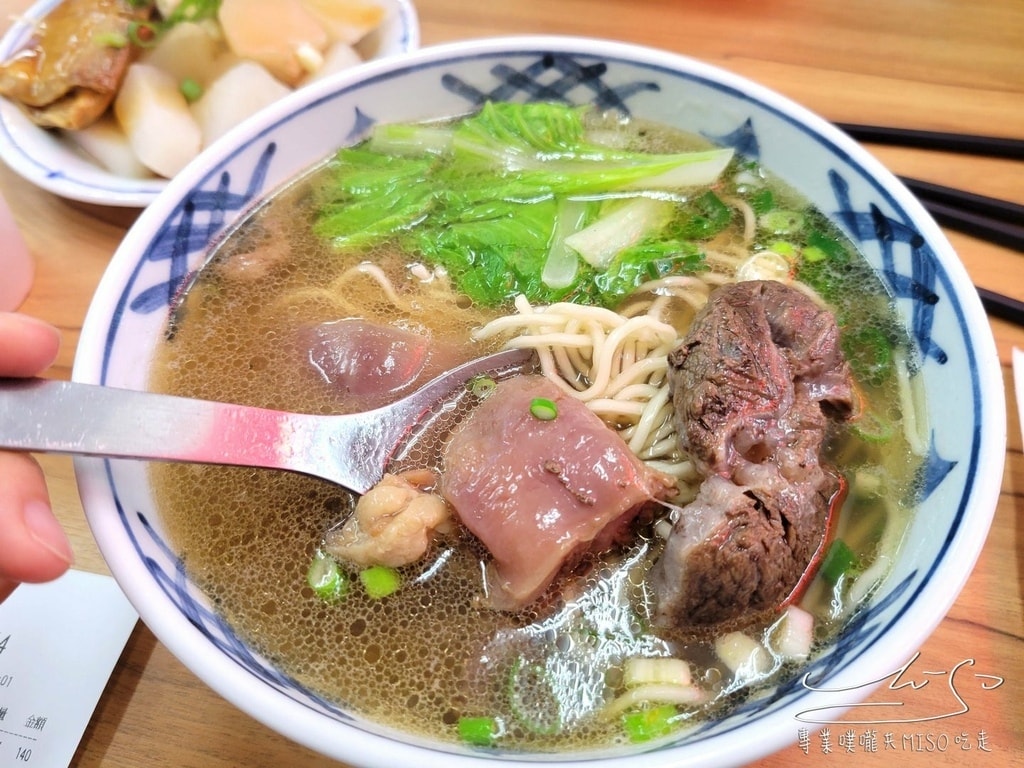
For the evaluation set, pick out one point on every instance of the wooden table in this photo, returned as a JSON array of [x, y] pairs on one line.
[[955, 65]]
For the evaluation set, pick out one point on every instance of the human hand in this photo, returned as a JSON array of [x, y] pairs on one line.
[[33, 547]]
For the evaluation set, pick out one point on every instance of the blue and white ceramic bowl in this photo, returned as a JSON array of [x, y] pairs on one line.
[[49, 160], [959, 373]]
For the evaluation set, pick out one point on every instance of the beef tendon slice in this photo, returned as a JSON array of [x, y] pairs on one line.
[[755, 385], [70, 71], [539, 492]]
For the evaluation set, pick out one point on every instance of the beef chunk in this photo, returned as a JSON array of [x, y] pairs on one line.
[[756, 375], [754, 385]]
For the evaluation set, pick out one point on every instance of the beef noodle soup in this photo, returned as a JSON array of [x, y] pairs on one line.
[[607, 549]]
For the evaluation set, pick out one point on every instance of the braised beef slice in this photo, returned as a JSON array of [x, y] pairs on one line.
[[754, 385], [369, 365], [539, 493]]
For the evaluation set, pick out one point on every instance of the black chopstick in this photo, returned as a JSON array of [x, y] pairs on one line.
[[988, 218], [991, 146], [1001, 306], [992, 207]]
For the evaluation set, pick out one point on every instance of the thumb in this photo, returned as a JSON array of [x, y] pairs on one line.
[[33, 547]]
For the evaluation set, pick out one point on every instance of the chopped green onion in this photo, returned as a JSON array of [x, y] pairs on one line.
[[782, 222], [325, 577], [481, 731], [543, 409], [646, 724], [704, 217], [833, 249], [191, 90], [482, 386], [783, 248], [871, 428], [639, 670], [111, 39], [839, 560], [813, 253], [193, 10], [380, 581]]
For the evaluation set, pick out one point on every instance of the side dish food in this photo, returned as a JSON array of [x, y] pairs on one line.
[[717, 456], [142, 85]]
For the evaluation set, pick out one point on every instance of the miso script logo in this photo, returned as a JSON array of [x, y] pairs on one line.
[[961, 685]]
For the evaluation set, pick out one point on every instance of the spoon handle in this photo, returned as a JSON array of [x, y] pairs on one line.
[[69, 417], [53, 416]]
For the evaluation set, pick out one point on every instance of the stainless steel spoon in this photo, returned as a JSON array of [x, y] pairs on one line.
[[352, 450]]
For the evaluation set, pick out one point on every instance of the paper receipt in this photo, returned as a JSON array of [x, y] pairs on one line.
[[59, 643]]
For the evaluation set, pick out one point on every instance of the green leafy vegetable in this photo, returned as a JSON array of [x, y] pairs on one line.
[[705, 217], [562, 263], [643, 262], [838, 561], [410, 139], [506, 200], [625, 225]]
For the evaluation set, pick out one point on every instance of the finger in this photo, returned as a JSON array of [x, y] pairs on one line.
[[33, 547], [27, 345], [6, 587]]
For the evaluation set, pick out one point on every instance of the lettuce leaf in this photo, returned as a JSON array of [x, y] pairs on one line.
[[481, 197]]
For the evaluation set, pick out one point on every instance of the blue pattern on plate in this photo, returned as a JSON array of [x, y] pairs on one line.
[[204, 211], [528, 83]]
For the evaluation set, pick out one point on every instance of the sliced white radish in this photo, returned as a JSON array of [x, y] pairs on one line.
[[107, 144], [339, 57], [639, 670], [156, 119], [187, 51], [240, 92]]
